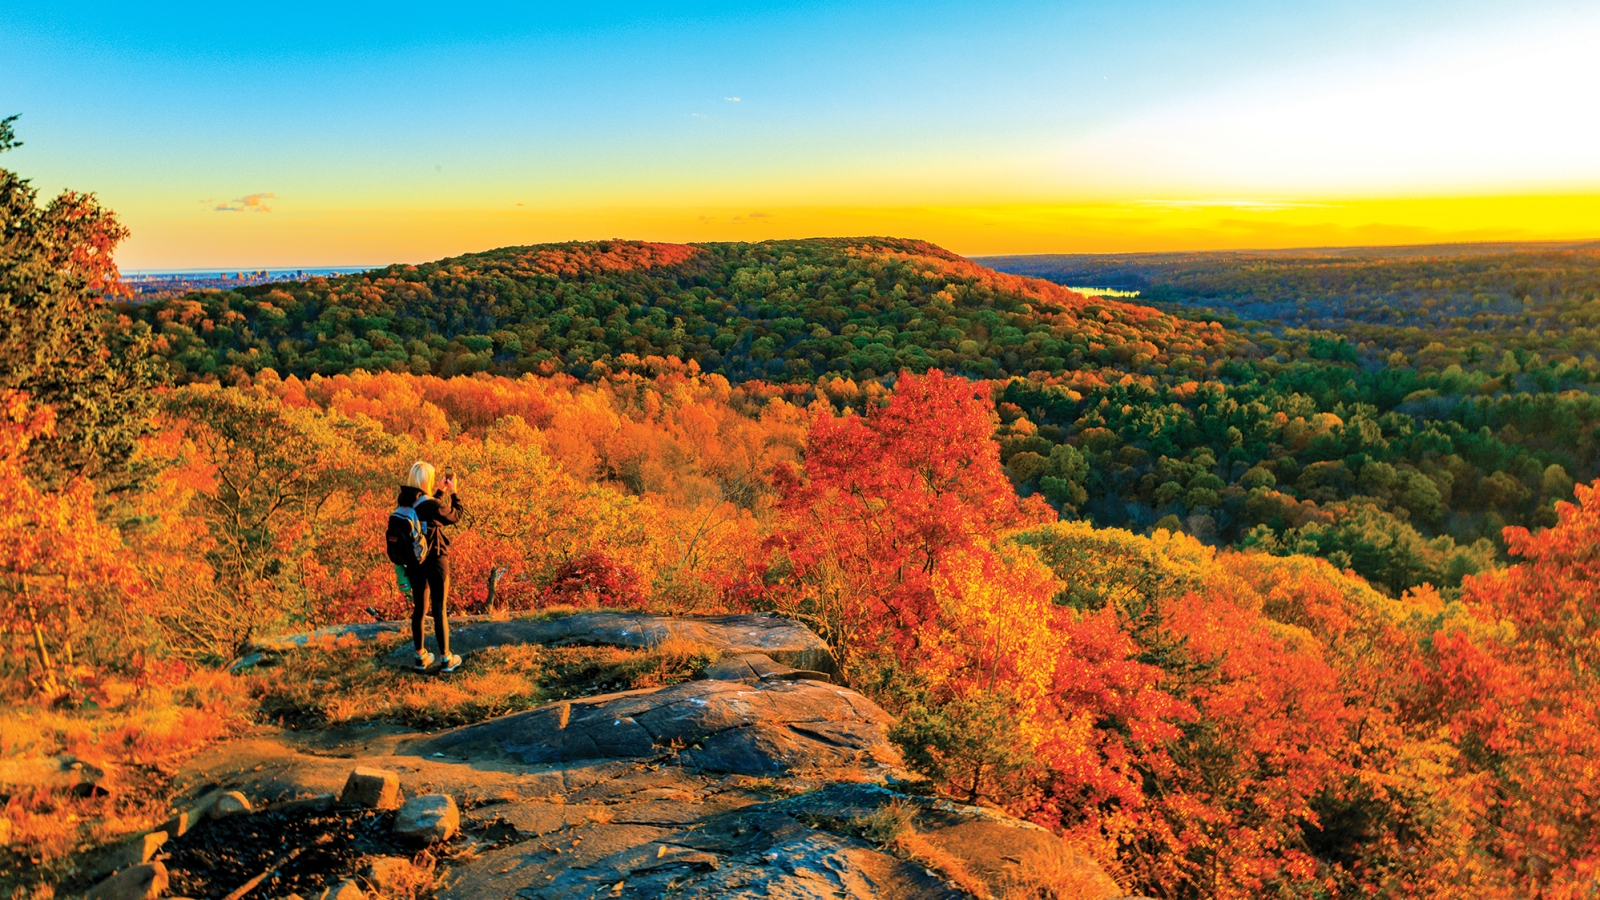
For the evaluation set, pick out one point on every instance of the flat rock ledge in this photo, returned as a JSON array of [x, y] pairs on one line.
[[781, 640], [762, 780], [721, 841], [768, 728]]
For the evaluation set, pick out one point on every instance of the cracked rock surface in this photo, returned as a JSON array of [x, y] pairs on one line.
[[714, 726]]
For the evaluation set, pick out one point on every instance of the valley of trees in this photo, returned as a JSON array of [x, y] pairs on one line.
[[1233, 611]]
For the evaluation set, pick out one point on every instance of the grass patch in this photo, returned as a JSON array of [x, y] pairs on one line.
[[1051, 876], [137, 730], [350, 681]]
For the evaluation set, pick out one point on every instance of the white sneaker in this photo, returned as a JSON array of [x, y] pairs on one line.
[[451, 663], [424, 660]]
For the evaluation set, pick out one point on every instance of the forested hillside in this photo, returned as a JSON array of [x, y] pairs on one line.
[[1476, 301], [783, 310], [1403, 460]]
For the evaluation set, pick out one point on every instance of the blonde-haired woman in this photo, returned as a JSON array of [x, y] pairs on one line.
[[430, 579]]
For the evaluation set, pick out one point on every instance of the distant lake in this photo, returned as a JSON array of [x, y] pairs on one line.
[[1102, 292]]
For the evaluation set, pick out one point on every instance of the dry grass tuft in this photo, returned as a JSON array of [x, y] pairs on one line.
[[1053, 876], [920, 850], [674, 656], [1037, 876], [397, 879], [344, 682], [886, 824]]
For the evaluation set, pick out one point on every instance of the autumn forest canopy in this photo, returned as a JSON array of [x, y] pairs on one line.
[[1402, 451], [1247, 586]]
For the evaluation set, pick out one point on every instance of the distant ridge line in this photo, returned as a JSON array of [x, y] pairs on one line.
[[1399, 251]]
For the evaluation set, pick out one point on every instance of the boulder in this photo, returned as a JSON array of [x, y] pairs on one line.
[[768, 728], [136, 852], [372, 788], [142, 882], [428, 819], [231, 803]]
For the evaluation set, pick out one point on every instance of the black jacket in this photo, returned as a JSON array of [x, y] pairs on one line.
[[433, 512]]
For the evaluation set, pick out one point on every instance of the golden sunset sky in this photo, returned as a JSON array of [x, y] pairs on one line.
[[300, 135]]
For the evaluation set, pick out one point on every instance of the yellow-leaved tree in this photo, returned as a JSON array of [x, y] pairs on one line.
[[61, 569]]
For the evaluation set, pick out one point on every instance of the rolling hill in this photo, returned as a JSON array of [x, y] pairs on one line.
[[784, 310]]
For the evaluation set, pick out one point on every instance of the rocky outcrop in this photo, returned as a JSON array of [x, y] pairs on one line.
[[764, 779], [816, 844], [715, 726], [757, 667]]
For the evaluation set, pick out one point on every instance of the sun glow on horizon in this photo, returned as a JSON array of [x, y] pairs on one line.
[[294, 238]]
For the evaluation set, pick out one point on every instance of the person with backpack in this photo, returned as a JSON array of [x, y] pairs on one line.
[[417, 543]]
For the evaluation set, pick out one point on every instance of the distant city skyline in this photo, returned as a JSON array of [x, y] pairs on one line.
[[294, 135]]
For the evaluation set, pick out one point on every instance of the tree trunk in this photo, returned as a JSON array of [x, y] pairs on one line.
[[46, 667]]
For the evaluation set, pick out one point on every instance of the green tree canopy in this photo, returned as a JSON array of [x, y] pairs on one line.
[[55, 272]]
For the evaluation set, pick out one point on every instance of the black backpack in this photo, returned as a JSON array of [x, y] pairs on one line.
[[407, 537]]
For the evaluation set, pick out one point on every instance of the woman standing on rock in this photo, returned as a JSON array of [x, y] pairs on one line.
[[430, 577]]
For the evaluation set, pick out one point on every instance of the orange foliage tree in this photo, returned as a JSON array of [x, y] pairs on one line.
[[892, 546], [60, 567], [1517, 685], [883, 498]]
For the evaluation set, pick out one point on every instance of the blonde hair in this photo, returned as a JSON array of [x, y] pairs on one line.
[[421, 477]]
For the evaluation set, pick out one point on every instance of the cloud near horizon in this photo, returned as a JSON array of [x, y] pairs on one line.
[[252, 202]]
